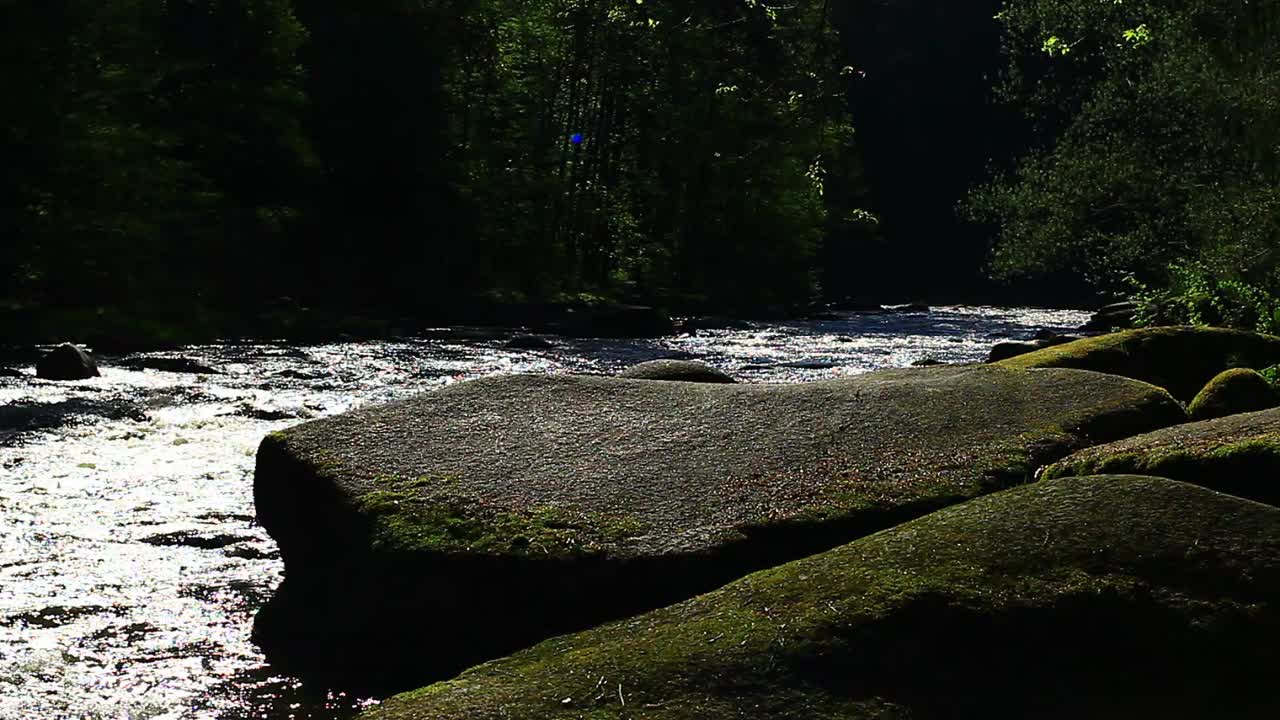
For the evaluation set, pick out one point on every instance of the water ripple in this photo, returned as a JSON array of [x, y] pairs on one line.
[[130, 565]]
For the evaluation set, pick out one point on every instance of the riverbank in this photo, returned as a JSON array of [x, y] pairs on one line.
[[119, 329]]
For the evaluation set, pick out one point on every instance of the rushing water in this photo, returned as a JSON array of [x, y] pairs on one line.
[[130, 565]]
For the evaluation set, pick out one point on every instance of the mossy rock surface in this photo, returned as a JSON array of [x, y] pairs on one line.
[[1179, 359], [426, 535], [1236, 454], [1103, 597], [1233, 391], [675, 370]]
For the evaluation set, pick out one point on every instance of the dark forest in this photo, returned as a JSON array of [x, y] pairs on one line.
[[196, 161]]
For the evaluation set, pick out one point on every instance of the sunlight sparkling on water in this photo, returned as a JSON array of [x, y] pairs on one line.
[[130, 565]]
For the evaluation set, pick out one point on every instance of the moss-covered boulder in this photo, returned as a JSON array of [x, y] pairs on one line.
[[423, 536], [1106, 597], [676, 370], [1236, 454], [1179, 359], [1233, 391]]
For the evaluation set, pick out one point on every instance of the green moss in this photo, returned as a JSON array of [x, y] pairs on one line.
[[1179, 359], [907, 622], [669, 488], [1244, 467], [1233, 391], [1175, 463], [404, 522]]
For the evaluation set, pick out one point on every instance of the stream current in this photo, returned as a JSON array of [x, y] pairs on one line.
[[130, 563]]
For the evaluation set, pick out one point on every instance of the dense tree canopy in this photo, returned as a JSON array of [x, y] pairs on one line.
[[141, 140], [1160, 140], [409, 152], [415, 154]]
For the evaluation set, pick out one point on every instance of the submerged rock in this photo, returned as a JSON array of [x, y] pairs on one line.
[[1233, 391], [1014, 348], [528, 342], [1103, 597], [66, 362], [272, 414], [677, 370], [1237, 454], [423, 536], [172, 365], [1179, 359], [194, 539]]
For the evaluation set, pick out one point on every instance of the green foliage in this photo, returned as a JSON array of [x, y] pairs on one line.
[[141, 131], [1195, 293], [705, 130], [222, 152], [1271, 374], [1161, 141]]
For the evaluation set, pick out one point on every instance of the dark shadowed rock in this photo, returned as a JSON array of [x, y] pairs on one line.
[[677, 370], [1179, 359], [1014, 348], [256, 412], [292, 374], [1006, 350], [1233, 391], [66, 362], [171, 364], [428, 534], [193, 539], [1116, 316], [1052, 336], [529, 342], [1237, 454], [1103, 597], [27, 416], [927, 362]]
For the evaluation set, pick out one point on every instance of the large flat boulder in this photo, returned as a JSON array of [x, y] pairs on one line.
[[1180, 359], [423, 536], [1236, 454], [1104, 597]]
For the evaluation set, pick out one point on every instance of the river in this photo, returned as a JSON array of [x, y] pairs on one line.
[[130, 564]]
